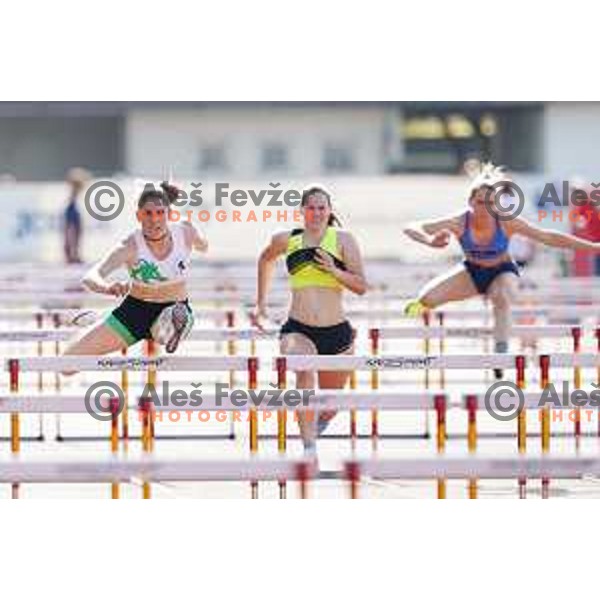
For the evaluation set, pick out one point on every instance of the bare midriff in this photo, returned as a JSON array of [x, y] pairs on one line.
[[317, 306], [172, 291]]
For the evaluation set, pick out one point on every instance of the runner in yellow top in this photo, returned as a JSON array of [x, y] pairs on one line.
[[322, 261]]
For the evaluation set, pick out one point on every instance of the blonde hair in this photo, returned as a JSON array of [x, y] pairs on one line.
[[486, 175]]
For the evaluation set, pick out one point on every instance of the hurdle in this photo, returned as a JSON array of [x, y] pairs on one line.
[[17, 366], [333, 399], [329, 399], [546, 467], [229, 335], [473, 332], [124, 470], [373, 363]]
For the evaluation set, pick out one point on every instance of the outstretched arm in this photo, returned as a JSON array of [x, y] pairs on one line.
[[549, 237], [95, 279], [266, 265], [433, 233]]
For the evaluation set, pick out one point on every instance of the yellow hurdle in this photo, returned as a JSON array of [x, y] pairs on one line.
[[545, 417], [440, 410], [114, 440], [521, 421], [125, 414], [15, 434], [148, 414], [471, 407], [282, 420], [252, 385]]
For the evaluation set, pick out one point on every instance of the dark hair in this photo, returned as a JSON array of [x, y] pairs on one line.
[[315, 189], [165, 196]]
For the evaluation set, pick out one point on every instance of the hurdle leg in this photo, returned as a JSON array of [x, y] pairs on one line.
[[253, 417], [114, 441], [145, 418], [545, 418], [353, 476], [440, 409], [426, 372], [442, 342], [57, 380], [39, 317], [148, 416], [521, 422], [576, 333], [282, 421], [353, 415], [125, 412], [231, 351], [471, 406], [303, 480], [15, 434], [374, 334]]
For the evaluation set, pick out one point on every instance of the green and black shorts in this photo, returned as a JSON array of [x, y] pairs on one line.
[[133, 318]]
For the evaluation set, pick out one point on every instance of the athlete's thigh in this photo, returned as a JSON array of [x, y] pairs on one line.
[[335, 380], [100, 339], [449, 287], [297, 343], [504, 287]]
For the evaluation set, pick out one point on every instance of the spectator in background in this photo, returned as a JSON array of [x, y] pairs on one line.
[[585, 224], [72, 230]]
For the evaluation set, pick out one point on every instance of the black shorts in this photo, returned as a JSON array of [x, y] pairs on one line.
[[484, 276], [333, 339], [133, 318]]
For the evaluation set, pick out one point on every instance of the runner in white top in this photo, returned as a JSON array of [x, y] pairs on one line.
[[157, 257]]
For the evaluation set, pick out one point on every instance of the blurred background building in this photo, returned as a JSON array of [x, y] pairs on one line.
[[385, 162], [41, 141]]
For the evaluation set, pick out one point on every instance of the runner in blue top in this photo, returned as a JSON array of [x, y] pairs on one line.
[[488, 268]]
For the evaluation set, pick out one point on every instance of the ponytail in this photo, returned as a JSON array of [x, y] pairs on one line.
[[170, 192], [333, 221], [166, 196]]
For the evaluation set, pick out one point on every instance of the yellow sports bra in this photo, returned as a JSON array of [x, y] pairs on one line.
[[304, 271]]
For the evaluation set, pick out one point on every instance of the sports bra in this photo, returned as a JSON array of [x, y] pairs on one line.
[[302, 267], [497, 246], [174, 267]]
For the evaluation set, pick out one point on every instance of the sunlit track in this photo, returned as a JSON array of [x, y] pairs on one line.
[[416, 406]]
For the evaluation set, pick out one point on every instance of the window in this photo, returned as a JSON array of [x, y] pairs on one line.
[[338, 158], [274, 157], [213, 158], [440, 137]]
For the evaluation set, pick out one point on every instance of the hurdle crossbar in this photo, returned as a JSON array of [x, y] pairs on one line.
[[117, 469], [555, 467]]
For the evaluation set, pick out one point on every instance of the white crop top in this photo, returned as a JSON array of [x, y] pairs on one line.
[[149, 270]]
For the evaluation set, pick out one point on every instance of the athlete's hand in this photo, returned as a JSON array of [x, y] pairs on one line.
[[324, 260], [440, 240], [257, 316], [117, 289]]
